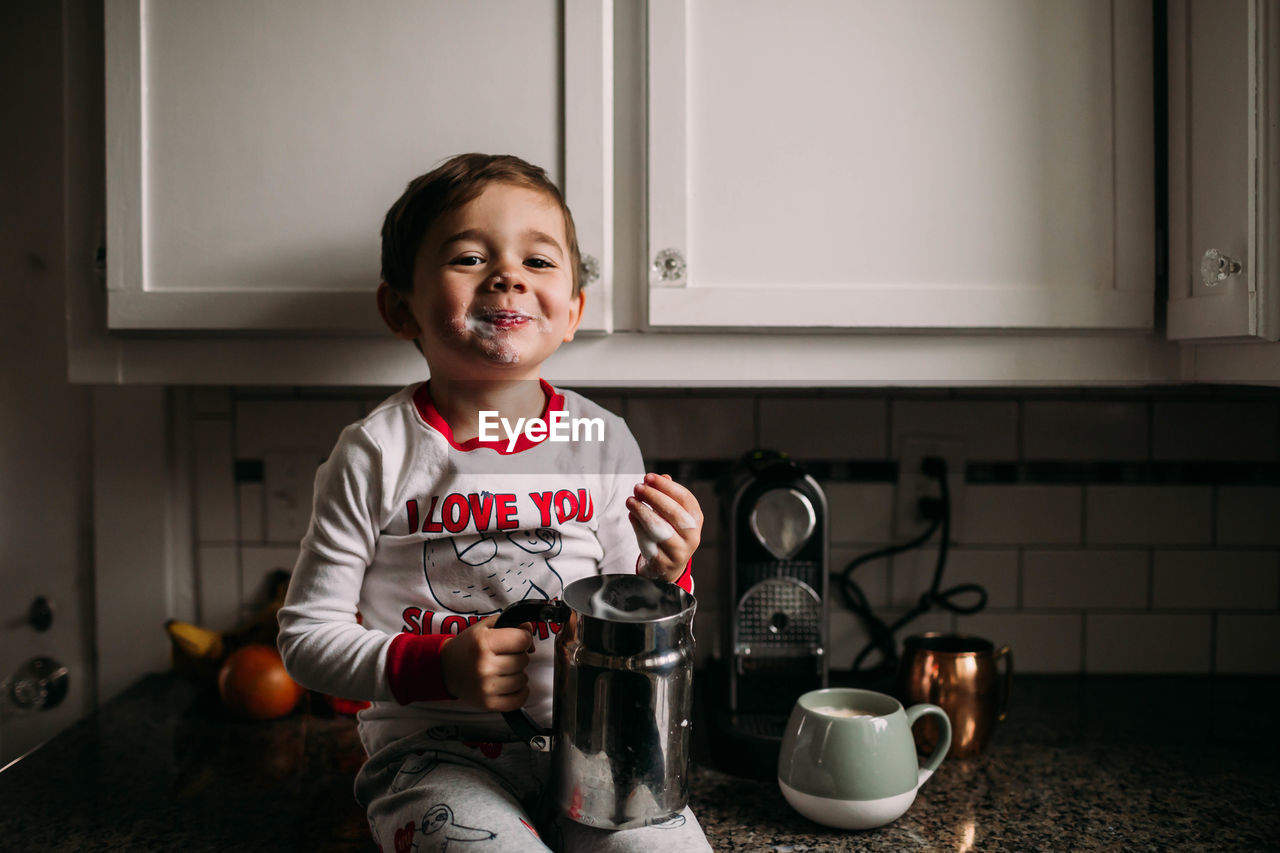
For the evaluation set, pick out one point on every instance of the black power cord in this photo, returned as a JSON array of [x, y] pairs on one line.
[[938, 510]]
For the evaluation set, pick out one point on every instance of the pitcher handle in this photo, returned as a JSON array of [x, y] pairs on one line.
[[1007, 684], [914, 713], [531, 610]]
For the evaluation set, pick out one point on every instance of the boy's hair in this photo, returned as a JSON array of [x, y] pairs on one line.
[[448, 186]]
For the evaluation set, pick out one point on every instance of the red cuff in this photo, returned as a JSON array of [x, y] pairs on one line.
[[414, 670], [685, 581]]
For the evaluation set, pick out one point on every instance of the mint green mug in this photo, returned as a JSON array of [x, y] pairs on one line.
[[848, 758]]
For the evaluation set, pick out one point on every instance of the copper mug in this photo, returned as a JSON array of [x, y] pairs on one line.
[[960, 674]]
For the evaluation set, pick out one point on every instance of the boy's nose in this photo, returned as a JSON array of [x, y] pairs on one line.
[[504, 282]]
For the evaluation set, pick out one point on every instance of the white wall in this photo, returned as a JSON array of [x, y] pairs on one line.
[[44, 421]]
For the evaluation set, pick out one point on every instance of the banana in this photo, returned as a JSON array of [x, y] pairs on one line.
[[197, 652]]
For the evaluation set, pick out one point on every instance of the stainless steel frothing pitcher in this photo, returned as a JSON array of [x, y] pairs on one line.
[[622, 705]]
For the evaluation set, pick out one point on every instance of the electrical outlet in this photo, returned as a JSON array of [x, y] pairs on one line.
[[914, 484]]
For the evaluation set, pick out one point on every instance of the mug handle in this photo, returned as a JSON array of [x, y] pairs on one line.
[[914, 713], [531, 610], [1006, 685]]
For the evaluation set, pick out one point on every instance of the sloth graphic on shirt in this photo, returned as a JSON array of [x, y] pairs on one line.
[[474, 580]]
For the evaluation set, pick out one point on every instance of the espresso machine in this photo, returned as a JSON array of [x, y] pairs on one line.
[[775, 644]]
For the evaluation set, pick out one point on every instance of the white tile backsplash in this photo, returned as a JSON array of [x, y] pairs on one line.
[[1248, 515], [848, 634], [1020, 514], [211, 401], [1149, 515], [613, 402], [872, 577], [1248, 644], [1148, 642], [824, 427], [1207, 429], [1216, 580], [989, 429], [860, 512], [253, 512], [1080, 430], [692, 427], [218, 586], [1081, 575], [214, 481], [996, 570], [1078, 579], [290, 426], [1041, 642]]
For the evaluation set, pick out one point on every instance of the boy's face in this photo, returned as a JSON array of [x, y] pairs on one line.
[[492, 287]]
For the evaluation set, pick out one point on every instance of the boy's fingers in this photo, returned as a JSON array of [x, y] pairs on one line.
[[666, 485], [651, 522], [506, 701], [668, 549], [670, 508], [504, 694], [663, 484], [666, 507], [504, 685], [654, 553], [503, 665], [508, 641]]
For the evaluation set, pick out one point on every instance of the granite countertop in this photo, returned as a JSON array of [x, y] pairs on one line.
[[1083, 763]]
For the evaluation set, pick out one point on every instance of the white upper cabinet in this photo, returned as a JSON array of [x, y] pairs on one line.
[[871, 165], [1224, 170], [253, 148]]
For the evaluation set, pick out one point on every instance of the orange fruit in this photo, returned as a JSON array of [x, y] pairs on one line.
[[253, 683]]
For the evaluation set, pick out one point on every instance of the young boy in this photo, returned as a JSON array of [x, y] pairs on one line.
[[429, 518]]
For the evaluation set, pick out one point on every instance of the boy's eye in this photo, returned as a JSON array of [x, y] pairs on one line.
[[467, 260], [540, 263]]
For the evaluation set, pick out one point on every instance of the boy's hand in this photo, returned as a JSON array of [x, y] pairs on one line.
[[484, 666], [668, 525]]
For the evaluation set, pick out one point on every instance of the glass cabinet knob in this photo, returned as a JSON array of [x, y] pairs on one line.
[[669, 265], [1215, 267], [589, 269]]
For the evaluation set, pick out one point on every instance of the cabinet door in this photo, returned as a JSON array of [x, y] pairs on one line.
[[861, 164], [253, 148], [1224, 170]]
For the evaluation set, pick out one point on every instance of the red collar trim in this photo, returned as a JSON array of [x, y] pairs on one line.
[[432, 417]]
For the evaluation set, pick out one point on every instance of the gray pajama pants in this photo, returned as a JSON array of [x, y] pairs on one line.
[[437, 792]]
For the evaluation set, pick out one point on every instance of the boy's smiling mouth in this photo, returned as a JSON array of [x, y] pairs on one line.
[[498, 319], [503, 319]]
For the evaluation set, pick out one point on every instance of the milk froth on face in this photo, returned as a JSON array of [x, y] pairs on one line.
[[834, 711]]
